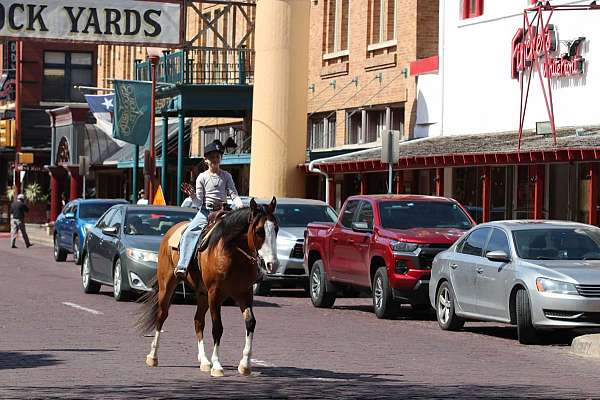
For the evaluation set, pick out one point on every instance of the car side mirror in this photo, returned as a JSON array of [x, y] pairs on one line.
[[361, 227], [69, 215], [110, 231], [498, 256]]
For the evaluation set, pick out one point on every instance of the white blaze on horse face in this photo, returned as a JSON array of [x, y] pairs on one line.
[[268, 251]]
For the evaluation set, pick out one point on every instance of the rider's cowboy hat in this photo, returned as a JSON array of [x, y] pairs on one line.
[[216, 145]]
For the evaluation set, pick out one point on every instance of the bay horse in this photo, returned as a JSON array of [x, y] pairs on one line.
[[228, 267]]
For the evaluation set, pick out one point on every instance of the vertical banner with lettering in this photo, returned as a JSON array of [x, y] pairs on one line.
[[132, 111]]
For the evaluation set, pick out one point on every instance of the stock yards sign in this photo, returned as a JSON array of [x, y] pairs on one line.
[[106, 21]]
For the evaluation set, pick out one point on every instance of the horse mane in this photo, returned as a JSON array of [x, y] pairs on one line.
[[232, 226]]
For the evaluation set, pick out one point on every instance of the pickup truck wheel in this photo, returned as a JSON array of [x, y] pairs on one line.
[[384, 305], [446, 317], [318, 287]]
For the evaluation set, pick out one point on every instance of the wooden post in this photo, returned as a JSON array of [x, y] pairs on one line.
[[399, 181], [331, 180], [439, 182], [485, 197], [538, 191], [593, 194], [363, 184]]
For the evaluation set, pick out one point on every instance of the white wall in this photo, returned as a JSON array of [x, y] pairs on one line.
[[478, 93]]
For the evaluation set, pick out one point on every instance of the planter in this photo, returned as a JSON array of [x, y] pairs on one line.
[[37, 213]]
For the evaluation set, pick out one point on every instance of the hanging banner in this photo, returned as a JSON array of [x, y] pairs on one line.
[[155, 23], [132, 111]]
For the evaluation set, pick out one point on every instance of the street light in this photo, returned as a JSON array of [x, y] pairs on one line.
[[154, 54]]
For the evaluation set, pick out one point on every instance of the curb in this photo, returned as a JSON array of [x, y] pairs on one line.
[[586, 345]]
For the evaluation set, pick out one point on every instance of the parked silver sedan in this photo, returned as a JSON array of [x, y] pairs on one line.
[[533, 274]]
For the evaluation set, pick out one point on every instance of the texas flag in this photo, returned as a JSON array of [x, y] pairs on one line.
[[101, 103]]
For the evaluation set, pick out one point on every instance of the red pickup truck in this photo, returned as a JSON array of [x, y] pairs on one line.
[[385, 244]]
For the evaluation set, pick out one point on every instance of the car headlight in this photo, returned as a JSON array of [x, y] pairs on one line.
[[142, 255], [404, 247], [546, 285], [87, 227]]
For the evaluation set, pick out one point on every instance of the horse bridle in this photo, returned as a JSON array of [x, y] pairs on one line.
[[256, 259]]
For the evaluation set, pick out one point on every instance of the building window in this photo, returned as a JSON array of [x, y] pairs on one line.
[[367, 126], [63, 71], [472, 8], [382, 21], [321, 131], [336, 26]]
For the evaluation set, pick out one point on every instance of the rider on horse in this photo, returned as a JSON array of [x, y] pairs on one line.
[[212, 188]]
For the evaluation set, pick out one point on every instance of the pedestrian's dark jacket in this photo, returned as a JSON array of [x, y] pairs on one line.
[[18, 209]]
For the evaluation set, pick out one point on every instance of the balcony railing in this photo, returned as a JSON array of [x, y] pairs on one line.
[[203, 66]]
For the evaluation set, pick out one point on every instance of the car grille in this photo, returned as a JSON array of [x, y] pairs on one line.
[[428, 253], [298, 251], [295, 271], [588, 290], [573, 316]]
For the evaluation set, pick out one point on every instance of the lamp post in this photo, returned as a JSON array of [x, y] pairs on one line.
[[153, 57]]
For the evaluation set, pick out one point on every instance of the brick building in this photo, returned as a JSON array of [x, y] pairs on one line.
[[360, 82]]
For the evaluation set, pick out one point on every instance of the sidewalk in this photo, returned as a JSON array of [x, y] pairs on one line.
[[37, 234]]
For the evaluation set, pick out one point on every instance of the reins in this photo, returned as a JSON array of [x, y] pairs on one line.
[[256, 258]]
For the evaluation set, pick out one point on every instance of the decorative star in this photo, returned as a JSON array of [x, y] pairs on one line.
[[108, 103]]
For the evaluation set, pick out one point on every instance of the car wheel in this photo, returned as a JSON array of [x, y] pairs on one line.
[[445, 311], [384, 305], [261, 289], [526, 332], [59, 254], [89, 286], [318, 287], [118, 281], [76, 250]]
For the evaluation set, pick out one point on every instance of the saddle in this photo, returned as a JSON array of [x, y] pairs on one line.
[[214, 217]]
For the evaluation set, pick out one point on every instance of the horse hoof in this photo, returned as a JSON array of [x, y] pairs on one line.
[[206, 367], [151, 362], [244, 370], [217, 373]]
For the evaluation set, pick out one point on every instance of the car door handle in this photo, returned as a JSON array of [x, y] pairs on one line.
[[350, 241], [334, 239], [479, 270], [453, 266]]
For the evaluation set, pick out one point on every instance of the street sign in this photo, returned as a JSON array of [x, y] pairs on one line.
[[84, 165], [131, 22], [390, 147], [24, 158]]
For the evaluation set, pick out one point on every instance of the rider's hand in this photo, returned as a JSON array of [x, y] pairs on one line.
[[188, 189]]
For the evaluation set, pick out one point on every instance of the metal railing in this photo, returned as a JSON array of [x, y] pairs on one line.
[[203, 66]]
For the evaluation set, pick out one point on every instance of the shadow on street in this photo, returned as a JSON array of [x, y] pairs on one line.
[[20, 359]]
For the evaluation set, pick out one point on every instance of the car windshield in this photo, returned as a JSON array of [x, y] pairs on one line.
[[153, 222], [93, 210], [300, 215], [422, 214], [558, 244]]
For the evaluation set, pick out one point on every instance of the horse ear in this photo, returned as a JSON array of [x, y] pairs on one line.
[[253, 205], [272, 205]]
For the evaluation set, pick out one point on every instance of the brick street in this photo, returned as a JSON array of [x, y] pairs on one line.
[[52, 350]]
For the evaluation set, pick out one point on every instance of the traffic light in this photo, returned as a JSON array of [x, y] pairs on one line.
[[6, 129]]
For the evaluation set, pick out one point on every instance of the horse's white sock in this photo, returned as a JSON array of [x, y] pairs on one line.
[[201, 354], [154, 346], [215, 358], [247, 353]]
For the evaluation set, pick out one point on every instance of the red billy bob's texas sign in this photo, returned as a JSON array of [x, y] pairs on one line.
[[531, 45], [154, 23]]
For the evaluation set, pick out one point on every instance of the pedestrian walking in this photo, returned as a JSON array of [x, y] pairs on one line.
[[18, 210]]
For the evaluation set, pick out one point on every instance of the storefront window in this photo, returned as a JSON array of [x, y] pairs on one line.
[[499, 194], [466, 185]]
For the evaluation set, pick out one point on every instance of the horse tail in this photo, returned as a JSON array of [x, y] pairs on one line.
[[146, 322]]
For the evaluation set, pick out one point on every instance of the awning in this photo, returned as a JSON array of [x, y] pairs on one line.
[[572, 144]]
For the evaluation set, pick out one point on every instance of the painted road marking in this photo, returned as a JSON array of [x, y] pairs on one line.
[[262, 363], [77, 306]]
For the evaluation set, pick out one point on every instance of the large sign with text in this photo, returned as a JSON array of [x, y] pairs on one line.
[[151, 23], [530, 46]]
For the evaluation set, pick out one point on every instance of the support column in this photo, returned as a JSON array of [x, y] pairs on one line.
[[134, 173], [55, 174], [593, 194], [399, 182], [363, 183], [485, 197], [331, 185], [538, 191], [181, 126], [280, 101], [163, 170], [75, 183], [439, 182]]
